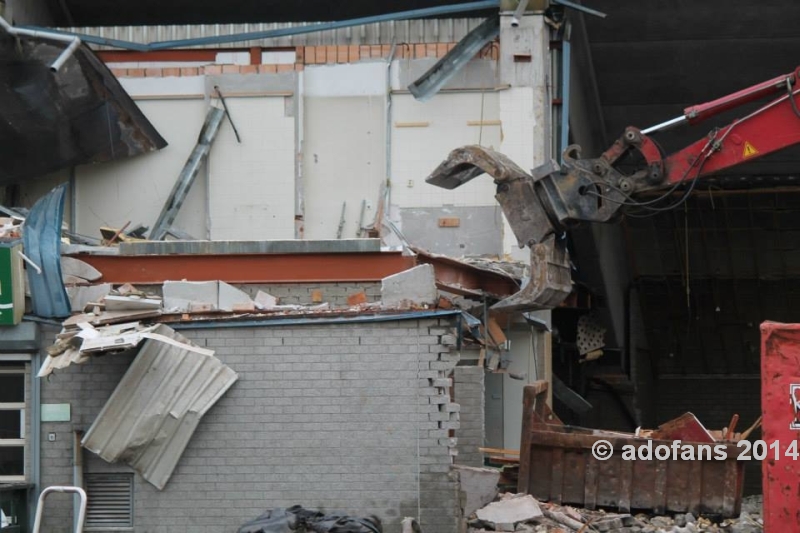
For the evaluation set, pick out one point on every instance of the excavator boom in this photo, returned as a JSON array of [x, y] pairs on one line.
[[541, 206]]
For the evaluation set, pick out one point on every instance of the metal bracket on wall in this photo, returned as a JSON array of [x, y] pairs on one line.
[[228, 113]]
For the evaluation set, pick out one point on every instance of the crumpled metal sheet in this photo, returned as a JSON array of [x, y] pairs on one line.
[[54, 120], [158, 404], [41, 238]]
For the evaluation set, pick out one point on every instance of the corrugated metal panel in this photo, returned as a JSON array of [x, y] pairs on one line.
[[109, 500], [42, 241], [155, 409], [401, 31]]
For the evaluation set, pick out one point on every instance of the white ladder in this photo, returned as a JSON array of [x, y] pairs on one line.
[[37, 524]]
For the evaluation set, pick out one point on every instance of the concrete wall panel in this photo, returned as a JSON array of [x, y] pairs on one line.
[[344, 154], [423, 133], [135, 189], [251, 184], [479, 231]]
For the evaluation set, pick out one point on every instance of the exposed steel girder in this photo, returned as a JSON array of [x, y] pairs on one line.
[[457, 277], [249, 268], [452, 276]]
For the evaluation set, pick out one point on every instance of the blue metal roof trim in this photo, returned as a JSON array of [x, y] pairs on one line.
[[284, 32], [306, 321], [42, 240]]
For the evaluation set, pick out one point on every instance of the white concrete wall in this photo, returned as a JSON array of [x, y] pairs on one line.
[[344, 145], [248, 190], [424, 133], [251, 185], [134, 189]]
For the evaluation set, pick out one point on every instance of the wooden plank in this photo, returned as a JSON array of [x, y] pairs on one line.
[[498, 337], [498, 451], [449, 222], [484, 123], [411, 124], [531, 394]]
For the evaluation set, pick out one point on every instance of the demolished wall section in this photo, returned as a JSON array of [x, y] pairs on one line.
[[338, 416], [469, 394]]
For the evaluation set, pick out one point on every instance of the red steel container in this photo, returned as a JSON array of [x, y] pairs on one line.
[[780, 405]]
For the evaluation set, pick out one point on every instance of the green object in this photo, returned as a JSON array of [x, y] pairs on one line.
[[12, 284], [55, 412]]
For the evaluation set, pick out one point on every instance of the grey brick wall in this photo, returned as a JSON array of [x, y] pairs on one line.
[[469, 393], [350, 417]]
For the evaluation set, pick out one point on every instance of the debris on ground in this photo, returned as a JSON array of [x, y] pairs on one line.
[[554, 518], [300, 520], [511, 508]]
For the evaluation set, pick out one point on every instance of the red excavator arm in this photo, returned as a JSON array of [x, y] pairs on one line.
[[539, 207]]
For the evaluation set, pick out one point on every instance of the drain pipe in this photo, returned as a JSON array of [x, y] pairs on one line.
[[74, 42]]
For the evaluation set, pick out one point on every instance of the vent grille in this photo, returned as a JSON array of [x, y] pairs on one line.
[[110, 500]]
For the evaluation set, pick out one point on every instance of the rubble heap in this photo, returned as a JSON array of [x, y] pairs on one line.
[[523, 513]]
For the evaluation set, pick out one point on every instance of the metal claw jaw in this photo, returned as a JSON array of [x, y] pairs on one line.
[[550, 282], [530, 204]]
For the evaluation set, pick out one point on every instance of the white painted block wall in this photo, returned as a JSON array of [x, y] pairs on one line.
[[417, 151], [134, 189], [251, 184], [251, 192]]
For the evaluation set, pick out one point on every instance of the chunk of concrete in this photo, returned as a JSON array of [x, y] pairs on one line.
[[80, 269], [188, 296], [520, 508], [79, 296], [477, 487], [264, 300], [413, 287], [232, 299], [124, 303]]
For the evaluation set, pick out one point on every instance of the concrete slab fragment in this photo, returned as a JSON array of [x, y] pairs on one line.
[[122, 303], [232, 299], [264, 300], [80, 269], [187, 296], [520, 508], [415, 286], [79, 296], [477, 487], [340, 246]]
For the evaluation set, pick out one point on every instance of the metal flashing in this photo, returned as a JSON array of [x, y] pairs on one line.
[[277, 34], [439, 74]]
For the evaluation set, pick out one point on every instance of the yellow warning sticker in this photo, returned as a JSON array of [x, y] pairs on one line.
[[749, 150]]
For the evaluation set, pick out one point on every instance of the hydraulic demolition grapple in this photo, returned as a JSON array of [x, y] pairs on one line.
[[542, 205]]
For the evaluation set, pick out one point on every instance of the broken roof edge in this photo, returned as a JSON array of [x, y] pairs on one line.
[[250, 321]]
